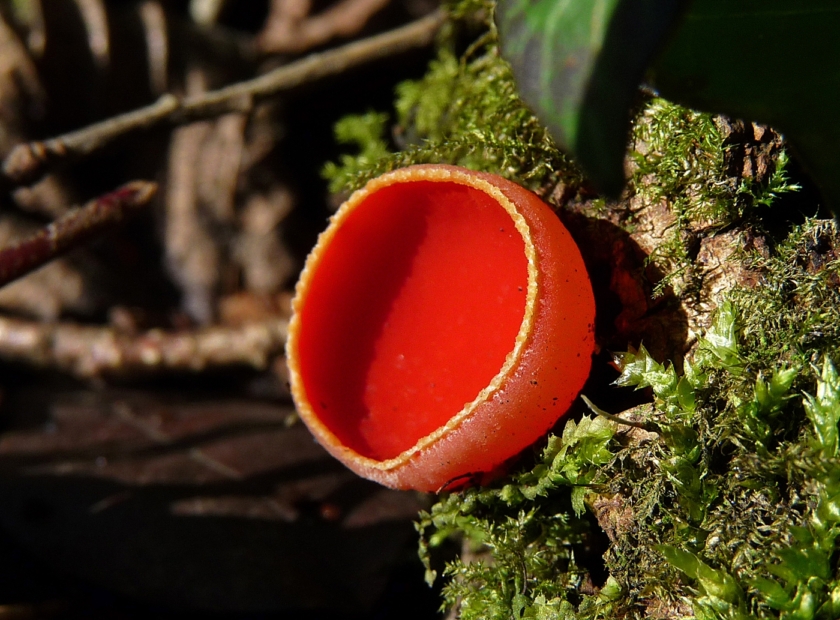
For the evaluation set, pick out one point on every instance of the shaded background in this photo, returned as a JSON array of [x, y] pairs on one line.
[[127, 494]]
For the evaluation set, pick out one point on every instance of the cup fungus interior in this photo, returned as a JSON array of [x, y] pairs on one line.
[[410, 312]]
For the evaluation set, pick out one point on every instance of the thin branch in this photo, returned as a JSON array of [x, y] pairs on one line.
[[650, 427], [28, 162], [86, 351], [73, 229]]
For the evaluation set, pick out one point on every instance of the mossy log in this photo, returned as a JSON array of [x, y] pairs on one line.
[[721, 499]]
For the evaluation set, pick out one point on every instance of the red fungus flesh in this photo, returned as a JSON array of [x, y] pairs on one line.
[[413, 310]]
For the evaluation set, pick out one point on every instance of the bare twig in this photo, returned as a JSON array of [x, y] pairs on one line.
[[95, 351], [27, 162], [73, 229]]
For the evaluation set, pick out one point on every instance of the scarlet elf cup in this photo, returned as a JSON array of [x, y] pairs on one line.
[[443, 323]]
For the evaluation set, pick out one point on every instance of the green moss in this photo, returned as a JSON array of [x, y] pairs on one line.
[[729, 501], [464, 111], [365, 132], [792, 319], [680, 159], [531, 529], [683, 151], [723, 500]]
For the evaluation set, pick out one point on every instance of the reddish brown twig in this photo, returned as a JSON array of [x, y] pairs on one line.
[[28, 162], [73, 229], [95, 351]]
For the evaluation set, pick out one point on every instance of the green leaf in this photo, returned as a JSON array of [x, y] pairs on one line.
[[611, 590], [806, 562], [685, 394], [803, 606], [640, 370], [554, 609], [716, 583], [831, 608], [578, 496], [802, 535], [771, 396], [719, 345], [585, 443], [578, 63], [824, 409], [772, 592], [683, 560], [766, 406], [771, 61]]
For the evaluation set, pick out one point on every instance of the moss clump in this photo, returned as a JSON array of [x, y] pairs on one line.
[[532, 530], [683, 159], [464, 111], [725, 504], [792, 318], [685, 152], [365, 132]]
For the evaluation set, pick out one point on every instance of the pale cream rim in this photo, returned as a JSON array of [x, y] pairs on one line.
[[418, 173]]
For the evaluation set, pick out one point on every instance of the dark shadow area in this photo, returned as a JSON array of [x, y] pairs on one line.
[[623, 282], [793, 208], [85, 534], [121, 503], [309, 142]]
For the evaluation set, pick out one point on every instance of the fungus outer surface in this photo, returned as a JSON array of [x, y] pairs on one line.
[[415, 306]]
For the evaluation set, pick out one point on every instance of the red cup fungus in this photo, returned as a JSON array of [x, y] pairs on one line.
[[442, 324]]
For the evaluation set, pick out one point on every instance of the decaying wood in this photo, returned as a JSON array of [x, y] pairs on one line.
[[204, 234], [208, 233], [626, 236], [192, 254], [140, 437], [158, 469]]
